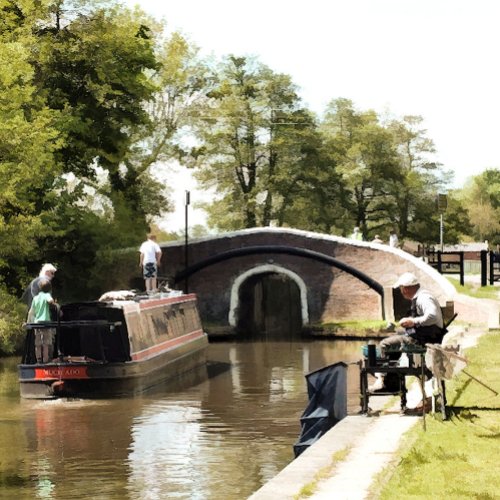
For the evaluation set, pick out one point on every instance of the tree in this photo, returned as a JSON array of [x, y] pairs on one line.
[[92, 65], [366, 159], [74, 79], [421, 177], [180, 81], [426, 227], [29, 139], [481, 198], [256, 141]]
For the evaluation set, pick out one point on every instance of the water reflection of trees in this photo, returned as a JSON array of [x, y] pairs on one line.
[[76, 446]]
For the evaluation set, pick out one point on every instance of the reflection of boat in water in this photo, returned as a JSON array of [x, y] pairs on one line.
[[116, 348]]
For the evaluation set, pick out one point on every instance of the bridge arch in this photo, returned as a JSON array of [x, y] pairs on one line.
[[344, 279], [267, 268], [289, 250]]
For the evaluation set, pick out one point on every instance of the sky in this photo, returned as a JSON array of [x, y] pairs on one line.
[[433, 58]]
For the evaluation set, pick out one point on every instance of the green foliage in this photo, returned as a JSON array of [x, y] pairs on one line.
[[181, 85], [116, 270], [73, 81], [425, 226], [28, 140], [481, 198], [414, 213], [92, 67], [178, 98], [12, 315], [82, 245], [365, 156], [74, 77]]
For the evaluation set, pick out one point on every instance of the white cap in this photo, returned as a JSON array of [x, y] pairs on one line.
[[407, 279]]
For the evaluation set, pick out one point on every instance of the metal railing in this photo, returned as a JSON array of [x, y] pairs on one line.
[[490, 261], [454, 263], [447, 263]]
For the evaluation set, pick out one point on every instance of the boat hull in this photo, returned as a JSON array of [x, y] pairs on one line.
[[98, 380], [167, 346]]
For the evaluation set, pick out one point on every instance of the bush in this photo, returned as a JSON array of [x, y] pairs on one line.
[[12, 316], [115, 270]]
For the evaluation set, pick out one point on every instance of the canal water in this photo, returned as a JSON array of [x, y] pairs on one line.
[[222, 438]]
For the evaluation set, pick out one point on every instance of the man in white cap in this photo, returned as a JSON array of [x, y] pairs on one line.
[[423, 326]]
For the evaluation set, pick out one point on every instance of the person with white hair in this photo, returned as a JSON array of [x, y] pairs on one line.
[[424, 325], [47, 272], [393, 239], [356, 234]]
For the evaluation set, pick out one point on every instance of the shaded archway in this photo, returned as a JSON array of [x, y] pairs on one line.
[[267, 269], [269, 304]]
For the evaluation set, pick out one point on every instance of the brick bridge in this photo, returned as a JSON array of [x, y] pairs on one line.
[[263, 279]]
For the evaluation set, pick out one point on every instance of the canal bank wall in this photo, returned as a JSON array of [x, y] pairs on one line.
[[344, 462]]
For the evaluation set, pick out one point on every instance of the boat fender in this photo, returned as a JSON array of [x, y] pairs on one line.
[[57, 386]]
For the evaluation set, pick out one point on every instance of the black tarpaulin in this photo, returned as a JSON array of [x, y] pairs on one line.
[[327, 391]]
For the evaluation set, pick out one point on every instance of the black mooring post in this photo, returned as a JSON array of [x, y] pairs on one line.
[[484, 267], [186, 240], [372, 355], [492, 267], [58, 334], [440, 263], [462, 270]]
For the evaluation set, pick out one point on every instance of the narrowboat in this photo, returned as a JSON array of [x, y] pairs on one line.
[[112, 348]]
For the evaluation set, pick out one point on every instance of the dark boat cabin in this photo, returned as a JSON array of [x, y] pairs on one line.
[[86, 331]]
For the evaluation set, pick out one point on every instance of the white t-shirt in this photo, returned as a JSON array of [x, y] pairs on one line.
[[149, 248]]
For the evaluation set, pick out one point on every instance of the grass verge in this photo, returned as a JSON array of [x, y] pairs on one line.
[[475, 289], [456, 458], [365, 327]]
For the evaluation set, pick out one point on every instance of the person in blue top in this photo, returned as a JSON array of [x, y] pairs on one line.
[[39, 313]]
